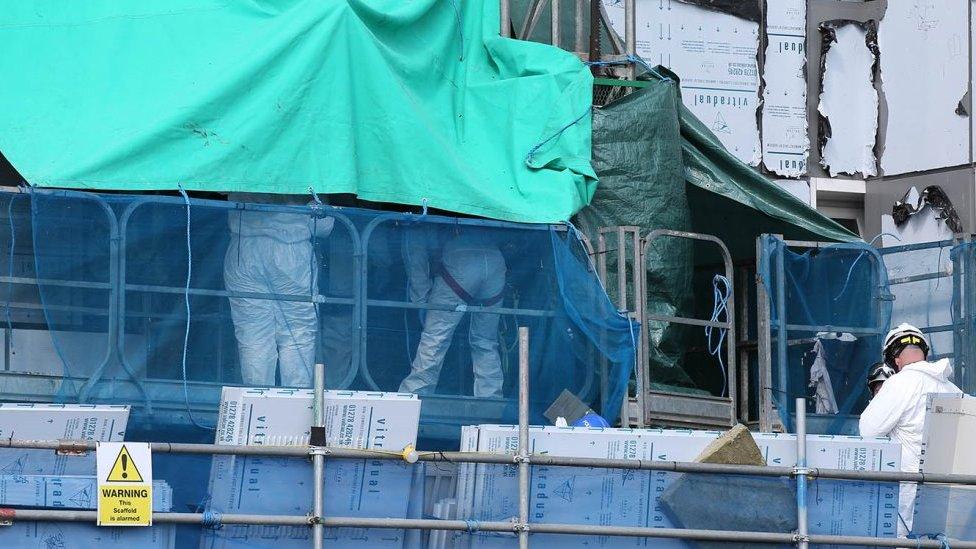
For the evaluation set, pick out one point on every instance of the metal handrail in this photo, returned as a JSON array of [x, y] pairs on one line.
[[333, 212], [729, 325]]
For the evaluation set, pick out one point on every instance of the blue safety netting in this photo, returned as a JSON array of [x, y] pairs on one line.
[[829, 310], [922, 280], [157, 301], [963, 310]]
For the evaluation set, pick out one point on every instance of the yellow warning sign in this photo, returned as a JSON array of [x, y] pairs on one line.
[[124, 470], [124, 484], [125, 506]]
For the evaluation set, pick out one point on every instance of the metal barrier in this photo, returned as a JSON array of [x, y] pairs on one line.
[[681, 409], [164, 396], [520, 525], [656, 407]]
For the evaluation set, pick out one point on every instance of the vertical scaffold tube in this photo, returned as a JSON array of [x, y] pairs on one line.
[[318, 460], [802, 530], [523, 446]]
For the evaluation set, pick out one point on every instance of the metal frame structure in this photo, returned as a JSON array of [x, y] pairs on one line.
[[521, 526], [651, 407], [681, 409], [768, 417], [622, 48], [167, 394]]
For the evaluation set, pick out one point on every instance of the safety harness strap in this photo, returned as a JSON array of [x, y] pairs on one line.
[[459, 290]]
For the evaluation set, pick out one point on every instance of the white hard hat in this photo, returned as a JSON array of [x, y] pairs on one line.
[[899, 338]]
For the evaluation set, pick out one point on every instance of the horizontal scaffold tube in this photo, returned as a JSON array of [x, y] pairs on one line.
[[495, 526], [70, 446]]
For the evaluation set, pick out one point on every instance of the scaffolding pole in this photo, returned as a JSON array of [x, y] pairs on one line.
[[544, 460], [318, 459], [50, 515], [802, 530], [523, 427]]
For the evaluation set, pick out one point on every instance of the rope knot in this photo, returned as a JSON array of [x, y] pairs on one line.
[[211, 519]]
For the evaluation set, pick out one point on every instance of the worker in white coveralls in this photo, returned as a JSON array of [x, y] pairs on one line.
[[898, 409], [272, 252], [471, 271]]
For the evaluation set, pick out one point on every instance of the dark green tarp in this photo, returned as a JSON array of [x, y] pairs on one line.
[[660, 167], [391, 100]]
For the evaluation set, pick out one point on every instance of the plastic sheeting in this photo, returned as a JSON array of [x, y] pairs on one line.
[[97, 267], [394, 102], [837, 295]]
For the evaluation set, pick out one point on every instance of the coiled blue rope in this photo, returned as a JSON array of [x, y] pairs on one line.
[[472, 526], [186, 299], [720, 306]]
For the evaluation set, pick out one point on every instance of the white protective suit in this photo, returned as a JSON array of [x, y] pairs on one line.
[[474, 264], [272, 253], [898, 411]]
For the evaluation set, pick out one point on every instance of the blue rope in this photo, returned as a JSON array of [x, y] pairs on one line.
[[942, 538], [186, 299], [858, 258], [638, 61], [472, 526], [460, 31], [211, 519], [720, 298], [533, 150], [630, 60], [10, 271]]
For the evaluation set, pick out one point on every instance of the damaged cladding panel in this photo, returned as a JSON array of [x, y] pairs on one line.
[[715, 55], [924, 71], [848, 101], [784, 114]]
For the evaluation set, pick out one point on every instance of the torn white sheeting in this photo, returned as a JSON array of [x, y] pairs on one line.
[[714, 54], [784, 116], [924, 69], [849, 102]]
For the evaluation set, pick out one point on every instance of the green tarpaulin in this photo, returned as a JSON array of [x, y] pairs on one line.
[[391, 100]]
